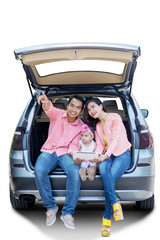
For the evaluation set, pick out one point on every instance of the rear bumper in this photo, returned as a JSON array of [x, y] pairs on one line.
[[127, 188], [90, 196], [135, 186]]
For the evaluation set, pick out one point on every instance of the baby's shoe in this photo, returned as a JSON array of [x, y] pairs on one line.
[[91, 173], [82, 173]]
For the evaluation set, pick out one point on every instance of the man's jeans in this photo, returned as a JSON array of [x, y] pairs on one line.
[[45, 164], [110, 170]]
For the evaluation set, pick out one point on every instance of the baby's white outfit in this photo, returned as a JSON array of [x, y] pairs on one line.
[[90, 148]]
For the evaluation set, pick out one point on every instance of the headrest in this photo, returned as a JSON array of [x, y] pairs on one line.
[[59, 105], [110, 104]]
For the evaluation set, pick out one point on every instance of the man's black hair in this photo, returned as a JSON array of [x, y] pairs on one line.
[[78, 98]]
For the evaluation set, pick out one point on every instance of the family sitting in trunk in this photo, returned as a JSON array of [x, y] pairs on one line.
[[65, 131]]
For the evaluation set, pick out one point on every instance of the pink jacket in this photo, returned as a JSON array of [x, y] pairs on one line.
[[63, 136], [116, 136]]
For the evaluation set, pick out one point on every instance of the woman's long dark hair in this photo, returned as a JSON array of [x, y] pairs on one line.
[[92, 122]]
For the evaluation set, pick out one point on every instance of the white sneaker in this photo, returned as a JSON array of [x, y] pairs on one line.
[[51, 216], [68, 221]]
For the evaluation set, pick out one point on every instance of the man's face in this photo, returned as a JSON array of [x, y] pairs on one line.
[[73, 109]]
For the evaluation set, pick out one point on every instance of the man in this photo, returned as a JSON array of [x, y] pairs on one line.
[[63, 135]]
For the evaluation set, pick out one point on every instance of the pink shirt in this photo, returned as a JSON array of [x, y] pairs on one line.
[[116, 136], [63, 136]]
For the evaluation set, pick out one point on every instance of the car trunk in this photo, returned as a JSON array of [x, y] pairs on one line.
[[39, 130]]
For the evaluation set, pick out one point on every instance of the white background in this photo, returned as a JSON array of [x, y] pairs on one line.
[[33, 22]]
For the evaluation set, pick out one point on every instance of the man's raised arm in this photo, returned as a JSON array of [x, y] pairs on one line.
[[44, 100]]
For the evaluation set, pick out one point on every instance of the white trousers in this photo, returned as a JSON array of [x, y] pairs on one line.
[[88, 164]]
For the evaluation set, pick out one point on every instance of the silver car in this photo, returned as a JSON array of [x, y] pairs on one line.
[[89, 69]]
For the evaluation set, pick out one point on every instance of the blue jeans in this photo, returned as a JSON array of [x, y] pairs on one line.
[[45, 164], [110, 170]]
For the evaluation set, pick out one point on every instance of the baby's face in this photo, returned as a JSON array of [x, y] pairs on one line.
[[86, 137]]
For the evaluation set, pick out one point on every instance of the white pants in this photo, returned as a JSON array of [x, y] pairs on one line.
[[88, 164]]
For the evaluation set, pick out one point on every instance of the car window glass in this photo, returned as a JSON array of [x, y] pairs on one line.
[[80, 65]]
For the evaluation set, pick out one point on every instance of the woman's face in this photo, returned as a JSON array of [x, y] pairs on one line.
[[94, 110]]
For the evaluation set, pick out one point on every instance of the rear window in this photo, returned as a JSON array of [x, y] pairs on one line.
[[80, 65]]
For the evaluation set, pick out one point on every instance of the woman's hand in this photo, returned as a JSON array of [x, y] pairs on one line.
[[101, 158]]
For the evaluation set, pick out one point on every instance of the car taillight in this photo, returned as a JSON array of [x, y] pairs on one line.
[[145, 139], [17, 140]]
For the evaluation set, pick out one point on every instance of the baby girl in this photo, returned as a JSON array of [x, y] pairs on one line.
[[87, 144]]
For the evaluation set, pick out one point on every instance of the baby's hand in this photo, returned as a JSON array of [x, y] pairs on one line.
[[94, 160]]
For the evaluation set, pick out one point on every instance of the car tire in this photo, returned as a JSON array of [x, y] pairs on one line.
[[21, 203], [147, 204]]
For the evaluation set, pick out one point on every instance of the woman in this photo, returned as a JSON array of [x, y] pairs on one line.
[[115, 157]]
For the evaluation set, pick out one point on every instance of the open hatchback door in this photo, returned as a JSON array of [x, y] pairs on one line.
[[75, 66]]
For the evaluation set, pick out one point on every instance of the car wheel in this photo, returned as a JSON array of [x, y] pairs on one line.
[[147, 204], [26, 202]]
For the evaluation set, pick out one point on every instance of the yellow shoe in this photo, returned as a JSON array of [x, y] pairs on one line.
[[106, 227], [117, 212]]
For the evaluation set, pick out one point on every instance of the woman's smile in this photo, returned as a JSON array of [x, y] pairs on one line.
[[94, 114]]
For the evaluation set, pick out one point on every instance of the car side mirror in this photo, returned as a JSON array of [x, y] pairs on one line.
[[145, 112]]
